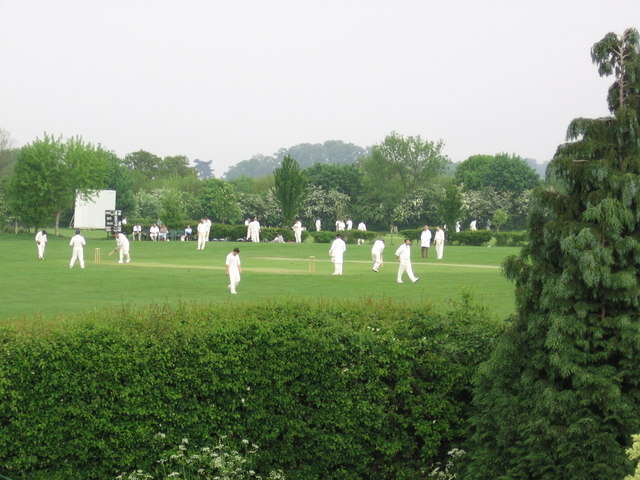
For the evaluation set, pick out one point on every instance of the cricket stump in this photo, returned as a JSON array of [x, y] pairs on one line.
[[96, 255], [312, 264]]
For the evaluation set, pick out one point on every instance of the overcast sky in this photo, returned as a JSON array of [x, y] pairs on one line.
[[224, 81]]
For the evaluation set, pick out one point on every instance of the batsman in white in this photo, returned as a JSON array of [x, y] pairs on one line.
[[122, 245]]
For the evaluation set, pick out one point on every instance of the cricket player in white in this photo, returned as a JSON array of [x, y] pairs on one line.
[[234, 269], [404, 257], [201, 231], [425, 241], [77, 242], [254, 230], [439, 241], [207, 222], [41, 242], [362, 228], [297, 230], [122, 245], [338, 247], [376, 254], [318, 224]]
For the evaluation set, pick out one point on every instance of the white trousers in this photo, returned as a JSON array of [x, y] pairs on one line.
[[337, 268], [41, 250], [406, 267], [377, 261], [255, 237], [234, 279], [201, 242], [298, 235], [123, 254], [439, 250], [78, 254]]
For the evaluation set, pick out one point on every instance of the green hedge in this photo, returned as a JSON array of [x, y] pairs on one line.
[[336, 391], [350, 236], [476, 237]]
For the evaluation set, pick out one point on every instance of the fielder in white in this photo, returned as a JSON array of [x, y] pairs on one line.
[[425, 241], [376, 254], [362, 228], [77, 242], [336, 252], [234, 269], [297, 230], [207, 222], [318, 224], [201, 231], [41, 242], [122, 245], [404, 258], [254, 230], [439, 241]]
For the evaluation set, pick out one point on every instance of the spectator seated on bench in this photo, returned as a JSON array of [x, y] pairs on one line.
[[162, 235]]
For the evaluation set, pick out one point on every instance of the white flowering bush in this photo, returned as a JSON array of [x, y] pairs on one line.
[[444, 471], [634, 455], [219, 462]]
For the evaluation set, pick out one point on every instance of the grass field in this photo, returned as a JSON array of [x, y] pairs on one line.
[[169, 272]]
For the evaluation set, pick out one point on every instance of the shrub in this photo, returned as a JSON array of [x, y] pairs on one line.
[[334, 391]]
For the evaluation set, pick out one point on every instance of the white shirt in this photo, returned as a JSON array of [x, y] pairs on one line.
[[233, 261], [202, 229], [378, 247], [318, 224], [338, 247], [137, 228], [404, 253], [362, 227], [349, 224], [439, 238], [297, 226], [41, 238], [425, 238], [77, 241], [122, 242], [154, 229]]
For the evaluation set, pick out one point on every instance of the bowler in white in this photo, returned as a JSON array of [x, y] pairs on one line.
[[404, 258]]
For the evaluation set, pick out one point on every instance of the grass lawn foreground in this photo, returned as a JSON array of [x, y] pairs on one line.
[[163, 273]]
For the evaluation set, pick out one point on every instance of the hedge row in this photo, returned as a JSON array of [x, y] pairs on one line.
[[476, 237], [336, 391]]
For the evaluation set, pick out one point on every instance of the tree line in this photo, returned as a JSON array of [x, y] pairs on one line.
[[404, 181]]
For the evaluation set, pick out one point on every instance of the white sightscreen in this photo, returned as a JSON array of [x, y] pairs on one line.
[[89, 212]]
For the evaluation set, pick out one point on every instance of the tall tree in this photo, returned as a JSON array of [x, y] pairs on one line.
[[203, 168], [49, 174], [34, 179], [290, 184], [218, 201], [398, 168], [502, 172], [560, 396]]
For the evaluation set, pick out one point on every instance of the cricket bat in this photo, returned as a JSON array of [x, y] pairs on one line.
[[113, 251]]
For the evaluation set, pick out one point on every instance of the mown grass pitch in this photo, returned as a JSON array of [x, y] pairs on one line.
[[169, 272]]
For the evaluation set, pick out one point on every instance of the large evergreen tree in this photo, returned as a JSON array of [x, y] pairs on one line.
[[290, 186], [560, 396]]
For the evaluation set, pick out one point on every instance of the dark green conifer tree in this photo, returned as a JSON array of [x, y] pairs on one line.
[[560, 396]]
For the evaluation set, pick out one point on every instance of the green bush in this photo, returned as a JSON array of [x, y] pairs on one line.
[[511, 239], [323, 236], [334, 391], [471, 238], [352, 236]]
